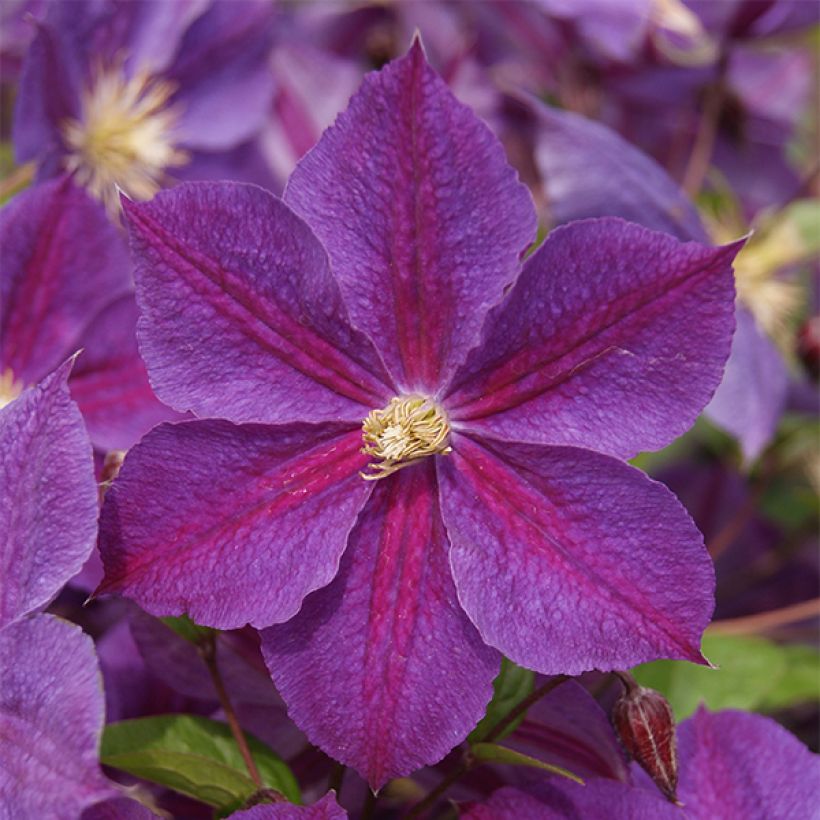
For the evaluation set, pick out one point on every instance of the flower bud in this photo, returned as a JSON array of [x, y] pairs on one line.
[[646, 727]]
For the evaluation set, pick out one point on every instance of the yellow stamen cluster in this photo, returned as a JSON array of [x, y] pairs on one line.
[[10, 388], [408, 429], [123, 138]]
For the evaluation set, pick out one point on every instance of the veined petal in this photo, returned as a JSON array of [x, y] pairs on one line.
[[568, 560], [735, 764], [109, 381], [423, 218], [241, 317], [382, 669], [325, 809], [48, 496], [51, 716], [62, 262], [231, 523], [614, 338]]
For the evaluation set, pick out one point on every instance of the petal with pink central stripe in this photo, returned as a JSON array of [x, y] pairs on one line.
[[613, 338], [382, 669], [240, 315], [422, 216], [231, 523], [568, 560]]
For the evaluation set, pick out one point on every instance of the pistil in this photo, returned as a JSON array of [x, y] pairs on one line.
[[408, 429]]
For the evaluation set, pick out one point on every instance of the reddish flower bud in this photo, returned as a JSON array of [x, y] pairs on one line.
[[646, 727]]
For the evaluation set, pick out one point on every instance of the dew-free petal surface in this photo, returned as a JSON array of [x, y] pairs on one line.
[[613, 338], [62, 262], [751, 398], [382, 670], [110, 383], [736, 764], [568, 560], [423, 218], [51, 716], [48, 496], [231, 523], [325, 809], [241, 317]]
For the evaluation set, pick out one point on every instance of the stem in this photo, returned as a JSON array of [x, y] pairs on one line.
[[763, 621], [337, 774], [16, 179], [704, 144], [469, 762], [207, 650]]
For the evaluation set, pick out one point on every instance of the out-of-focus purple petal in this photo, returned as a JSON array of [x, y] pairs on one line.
[[735, 764], [568, 560], [48, 501], [751, 397], [568, 728], [109, 381], [422, 216], [62, 262], [51, 716], [118, 808], [382, 670], [595, 345], [325, 809], [561, 799], [225, 82], [588, 170], [177, 662], [241, 317], [245, 519]]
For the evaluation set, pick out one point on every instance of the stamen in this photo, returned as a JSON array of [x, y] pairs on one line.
[[10, 388], [408, 429], [123, 138]]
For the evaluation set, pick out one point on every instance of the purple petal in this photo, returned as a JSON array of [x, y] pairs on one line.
[[110, 383], [421, 214], [595, 345], [559, 799], [48, 504], [51, 716], [325, 809], [62, 262], [241, 317], [568, 728], [231, 524], [568, 560], [118, 808], [590, 171], [382, 670], [734, 764], [752, 396]]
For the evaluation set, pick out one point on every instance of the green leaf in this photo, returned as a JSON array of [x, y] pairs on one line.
[[186, 628], [195, 756], [754, 674], [493, 753], [511, 686]]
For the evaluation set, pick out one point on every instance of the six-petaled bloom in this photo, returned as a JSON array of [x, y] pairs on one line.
[[379, 324]]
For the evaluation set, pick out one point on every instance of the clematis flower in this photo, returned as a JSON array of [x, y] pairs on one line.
[[410, 413], [123, 95], [732, 764], [65, 285]]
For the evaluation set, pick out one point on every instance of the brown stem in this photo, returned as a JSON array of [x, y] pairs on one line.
[[16, 179], [469, 762], [763, 621], [207, 649], [704, 144]]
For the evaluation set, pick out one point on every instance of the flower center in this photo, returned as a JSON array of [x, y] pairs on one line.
[[123, 137], [408, 429], [10, 388]]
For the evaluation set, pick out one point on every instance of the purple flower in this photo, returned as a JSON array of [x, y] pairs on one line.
[[488, 510], [48, 500], [121, 94], [51, 716], [325, 809], [732, 764], [65, 286]]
